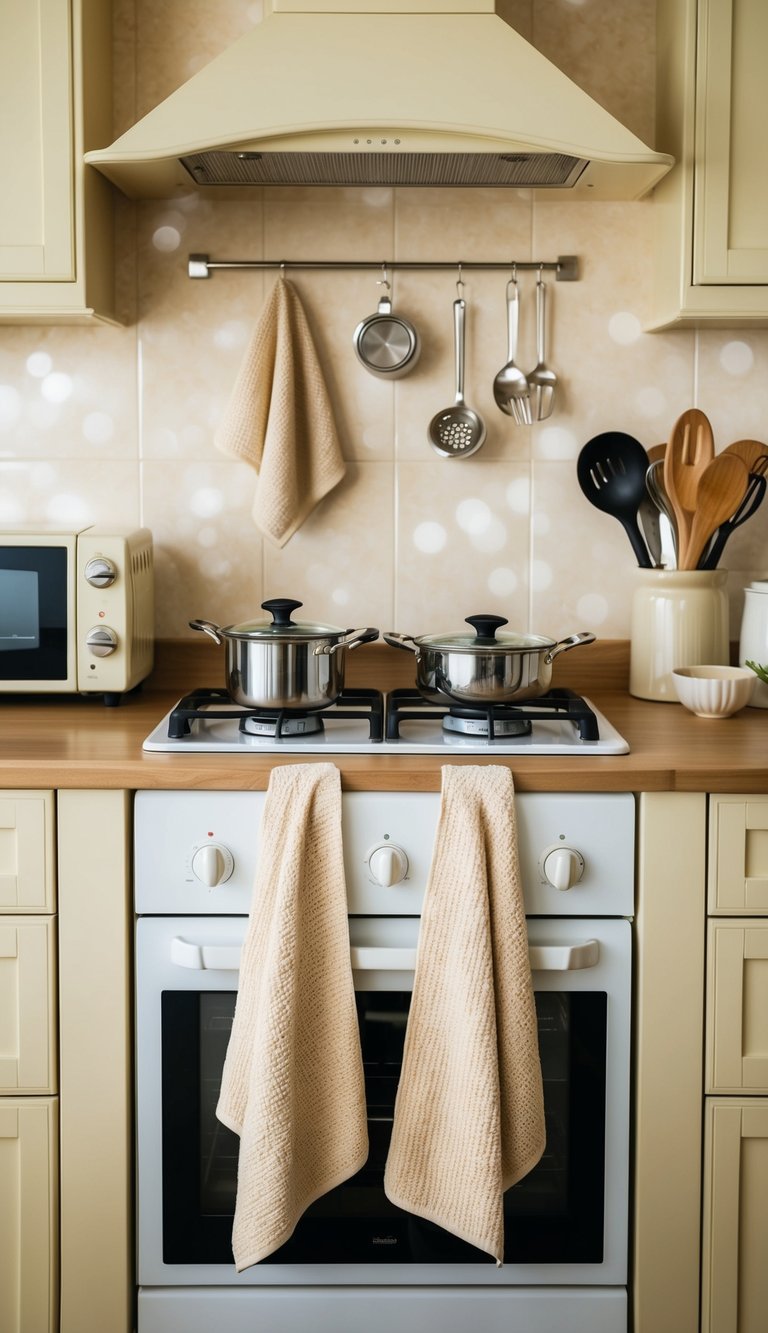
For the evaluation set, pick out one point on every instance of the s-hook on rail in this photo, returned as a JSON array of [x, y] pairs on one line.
[[565, 267]]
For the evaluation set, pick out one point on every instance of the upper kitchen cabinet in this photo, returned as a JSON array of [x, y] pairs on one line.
[[56, 241], [711, 241]]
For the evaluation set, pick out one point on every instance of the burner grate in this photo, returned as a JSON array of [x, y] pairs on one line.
[[215, 704], [407, 705]]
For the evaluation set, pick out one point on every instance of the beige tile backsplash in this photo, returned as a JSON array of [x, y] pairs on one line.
[[116, 425]]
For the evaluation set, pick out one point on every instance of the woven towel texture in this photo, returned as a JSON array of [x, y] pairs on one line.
[[279, 418], [469, 1114], [292, 1085]]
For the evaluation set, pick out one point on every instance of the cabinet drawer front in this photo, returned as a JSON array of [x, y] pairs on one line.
[[735, 1234], [28, 1212], [738, 855], [737, 1006], [27, 882], [27, 1008]]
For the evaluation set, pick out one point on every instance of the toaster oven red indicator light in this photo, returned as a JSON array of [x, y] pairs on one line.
[[102, 615]]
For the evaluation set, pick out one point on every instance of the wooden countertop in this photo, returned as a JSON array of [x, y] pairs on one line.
[[77, 742]]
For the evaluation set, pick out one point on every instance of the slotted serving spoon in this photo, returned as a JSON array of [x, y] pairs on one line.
[[691, 448], [457, 431], [611, 470], [720, 490], [511, 389]]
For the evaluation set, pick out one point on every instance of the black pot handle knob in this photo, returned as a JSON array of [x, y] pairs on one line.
[[280, 609], [485, 627]]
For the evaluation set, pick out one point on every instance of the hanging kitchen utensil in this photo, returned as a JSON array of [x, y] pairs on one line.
[[542, 381], [485, 667], [753, 498], [611, 469], [510, 387], [720, 490], [457, 431], [691, 447], [386, 344]]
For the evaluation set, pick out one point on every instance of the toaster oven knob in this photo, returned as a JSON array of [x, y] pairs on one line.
[[562, 867], [100, 572], [101, 641], [212, 864], [388, 864]]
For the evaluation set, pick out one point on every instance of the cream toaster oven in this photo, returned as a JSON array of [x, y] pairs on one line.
[[76, 611]]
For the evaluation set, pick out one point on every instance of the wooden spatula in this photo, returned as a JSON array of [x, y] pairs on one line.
[[749, 451], [691, 448], [719, 493]]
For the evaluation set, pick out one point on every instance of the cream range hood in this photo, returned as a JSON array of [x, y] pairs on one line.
[[372, 92]]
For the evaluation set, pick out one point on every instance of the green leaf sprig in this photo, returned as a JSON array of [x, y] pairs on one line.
[[760, 671]]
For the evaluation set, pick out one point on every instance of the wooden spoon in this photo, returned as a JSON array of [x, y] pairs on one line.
[[691, 448], [749, 451], [719, 493], [656, 452]]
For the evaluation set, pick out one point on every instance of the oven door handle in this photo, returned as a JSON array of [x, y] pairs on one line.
[[226, 957]]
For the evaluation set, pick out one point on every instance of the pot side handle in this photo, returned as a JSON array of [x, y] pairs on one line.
[[208, 627], [352, 639], [404, 641], [573, 641]]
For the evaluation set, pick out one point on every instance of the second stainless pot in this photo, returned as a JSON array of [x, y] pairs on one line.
[[485, 667], [282, 663]]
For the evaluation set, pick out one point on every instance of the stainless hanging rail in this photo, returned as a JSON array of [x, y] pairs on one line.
[[565, 267]]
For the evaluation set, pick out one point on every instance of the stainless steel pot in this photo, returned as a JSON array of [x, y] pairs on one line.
[[386, 344], [485, 667], [282, 663]]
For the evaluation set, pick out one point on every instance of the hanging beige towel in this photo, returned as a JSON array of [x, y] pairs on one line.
[[279, 418], [469, 1113], [292, 1085]]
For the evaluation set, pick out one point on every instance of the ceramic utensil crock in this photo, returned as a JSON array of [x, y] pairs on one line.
[[679, 618]]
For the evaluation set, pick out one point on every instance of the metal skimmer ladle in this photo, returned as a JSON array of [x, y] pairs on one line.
[[457, 431]]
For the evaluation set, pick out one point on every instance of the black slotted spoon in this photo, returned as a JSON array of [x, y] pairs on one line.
[[611, 469]]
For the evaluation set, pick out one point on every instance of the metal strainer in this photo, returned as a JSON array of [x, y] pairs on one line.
[[457, 431]]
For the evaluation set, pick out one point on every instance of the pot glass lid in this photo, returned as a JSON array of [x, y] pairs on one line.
[[282, 626], [486, 636]]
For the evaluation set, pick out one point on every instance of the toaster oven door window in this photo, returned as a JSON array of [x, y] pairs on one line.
[[33, 613]]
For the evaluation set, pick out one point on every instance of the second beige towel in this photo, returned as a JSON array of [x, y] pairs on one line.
[[292, 1085], [279, 418], [469, 1114]]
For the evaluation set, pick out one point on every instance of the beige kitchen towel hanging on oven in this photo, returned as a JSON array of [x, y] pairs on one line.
[[279, 418], [469, 1113], [292, 1085]]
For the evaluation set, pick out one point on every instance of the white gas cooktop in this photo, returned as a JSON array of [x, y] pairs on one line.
[[215, 729]]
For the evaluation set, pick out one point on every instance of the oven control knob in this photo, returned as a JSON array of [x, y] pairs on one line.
[[100, 572], [388, 864], [101, 641], [212, 863], [562, 867]]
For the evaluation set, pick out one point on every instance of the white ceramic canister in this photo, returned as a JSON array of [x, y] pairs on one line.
[[679, 618], [753, 639]]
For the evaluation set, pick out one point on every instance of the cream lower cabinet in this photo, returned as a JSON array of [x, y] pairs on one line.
[[735, 1203], [29, 1165], [711, 245]]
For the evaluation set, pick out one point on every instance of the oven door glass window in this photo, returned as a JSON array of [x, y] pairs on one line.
[[554, 1215], [33, 613]]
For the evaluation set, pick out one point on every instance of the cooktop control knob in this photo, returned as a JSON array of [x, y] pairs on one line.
[[387, 864], [562, 867], [212, 863], [100, 572], [101, 641]]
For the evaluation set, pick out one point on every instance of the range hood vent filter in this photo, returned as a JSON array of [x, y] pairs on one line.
[[517, 170]]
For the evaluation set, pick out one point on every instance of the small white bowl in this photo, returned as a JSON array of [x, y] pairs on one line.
[[714, 691]]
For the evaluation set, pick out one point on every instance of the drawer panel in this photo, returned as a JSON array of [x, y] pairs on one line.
[[28, 1215], [27, 878], [737, 1006], [738, 855], [28, 1048], [735, 1232]]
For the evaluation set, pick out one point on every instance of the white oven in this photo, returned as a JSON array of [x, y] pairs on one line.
[[566, 1223]]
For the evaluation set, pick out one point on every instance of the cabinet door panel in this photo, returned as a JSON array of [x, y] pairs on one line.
[[738, 854], [731, 191], [27, 1016], [27, 882], [36, 223], [735, 1236], [28, 1210]]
